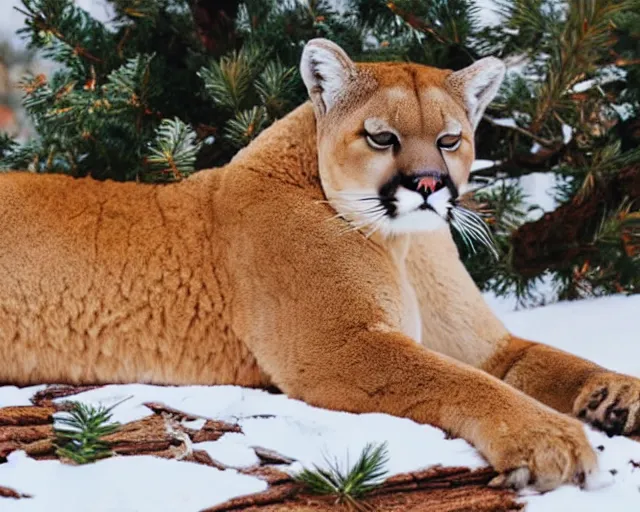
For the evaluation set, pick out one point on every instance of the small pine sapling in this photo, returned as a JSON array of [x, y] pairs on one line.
[[349, 485], [79, 433]]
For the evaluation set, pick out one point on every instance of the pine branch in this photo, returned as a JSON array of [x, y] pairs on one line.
[[586, 37], [352, 484], [229, 81], [174, 150], [522, 131], [567, 234], [7, 145], [80, 432], [66, 32], [130, 84], [135, 10], [246, 126], [275, 86], [25, 156]]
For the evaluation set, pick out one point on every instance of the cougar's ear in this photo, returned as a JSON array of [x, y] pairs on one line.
[[477, 85], [326, 70]]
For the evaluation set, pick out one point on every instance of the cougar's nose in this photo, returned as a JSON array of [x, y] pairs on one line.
[[428, 182]]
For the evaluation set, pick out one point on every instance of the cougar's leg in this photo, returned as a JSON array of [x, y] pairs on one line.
[[609, 401], [388, 372], [458, 322]]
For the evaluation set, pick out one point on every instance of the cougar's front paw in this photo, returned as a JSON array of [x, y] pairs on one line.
[[545, 450], [610, 402]]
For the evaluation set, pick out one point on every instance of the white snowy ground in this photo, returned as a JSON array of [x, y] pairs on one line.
[[601, 329]]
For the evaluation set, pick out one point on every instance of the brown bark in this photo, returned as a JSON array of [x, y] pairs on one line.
[[556, 239], [145, 436], [271, 457], [277, 494], [214, 430], [7, 492], [434, 490], [54, 391], [26, 434], [26, 415]]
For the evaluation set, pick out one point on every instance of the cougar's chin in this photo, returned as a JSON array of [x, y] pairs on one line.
[[416, 212]]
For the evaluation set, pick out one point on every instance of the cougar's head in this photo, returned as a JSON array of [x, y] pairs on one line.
[[395, 140]]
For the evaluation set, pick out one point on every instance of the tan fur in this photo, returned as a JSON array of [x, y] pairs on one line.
[[243, 275]]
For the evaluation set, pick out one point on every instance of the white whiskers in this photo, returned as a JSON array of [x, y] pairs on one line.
[[365, 212], [472, 228], [362, 212]]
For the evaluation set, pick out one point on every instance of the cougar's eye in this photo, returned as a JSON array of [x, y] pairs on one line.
[[382, 140], [449, 142]]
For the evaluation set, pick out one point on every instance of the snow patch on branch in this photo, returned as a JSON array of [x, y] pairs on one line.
[[605, 76], [567, 133], [480, 164], [507, 122]]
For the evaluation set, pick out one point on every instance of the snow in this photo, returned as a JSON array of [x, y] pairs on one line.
[[194, 424], [538, 188], [488, 13], [290, 427], [605, 333], [479, 164], [625, 110], [122, 484], [567, 133], [508, 122], [623, 492], [13, 396], [544, 292], [585, 85], [230, 450], [606, 74], [312, 436]]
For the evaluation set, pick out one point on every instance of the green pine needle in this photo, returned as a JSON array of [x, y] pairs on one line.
[[229, 81], [174, 150], [79, 435], [354, 483], [22, 157], [275, 86], [7, 145], [131, 82], [246, 126], [135, 10]]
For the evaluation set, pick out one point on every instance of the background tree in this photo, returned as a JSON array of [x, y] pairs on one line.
[[169, 87]]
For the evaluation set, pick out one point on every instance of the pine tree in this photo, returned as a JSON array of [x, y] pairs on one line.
[[80, 433], [173, 86]]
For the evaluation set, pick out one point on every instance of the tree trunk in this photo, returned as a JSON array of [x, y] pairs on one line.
[[558, 237]]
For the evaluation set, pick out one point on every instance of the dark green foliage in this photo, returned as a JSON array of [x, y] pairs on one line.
[[565, 45], [7, 145], [173, 86], [98, 114], [173, 152], [249, 93], [79, 433], [350, 484]]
